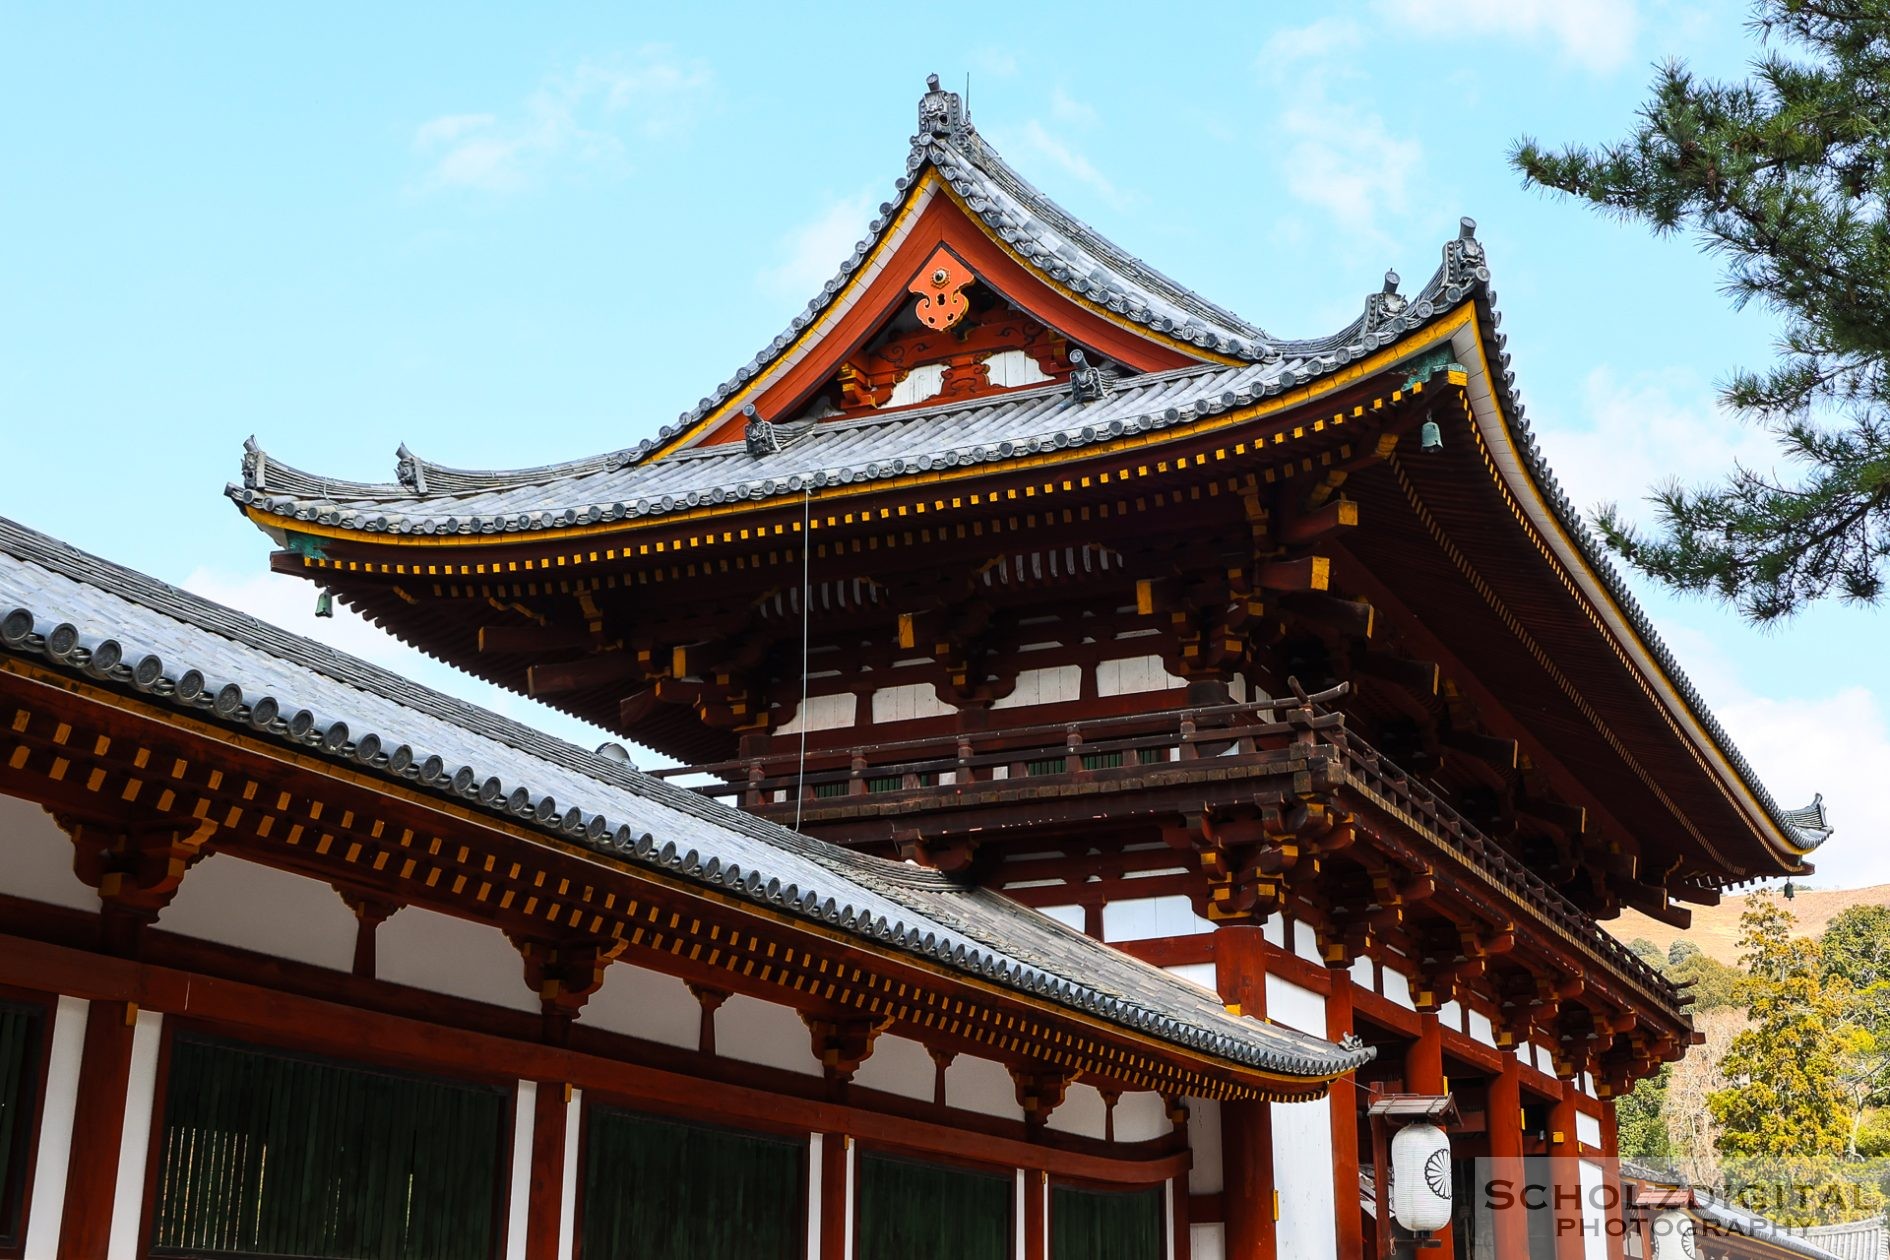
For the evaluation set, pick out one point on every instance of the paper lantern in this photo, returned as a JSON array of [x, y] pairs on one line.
[[1673, 1237], [1420, 1178]]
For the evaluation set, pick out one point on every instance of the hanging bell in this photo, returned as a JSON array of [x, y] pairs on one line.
[[324, 605], [1431, 436]]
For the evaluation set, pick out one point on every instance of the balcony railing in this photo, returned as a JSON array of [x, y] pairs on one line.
[[1255, 733]]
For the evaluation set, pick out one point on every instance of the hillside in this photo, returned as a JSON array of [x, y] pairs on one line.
[[1716, 928]]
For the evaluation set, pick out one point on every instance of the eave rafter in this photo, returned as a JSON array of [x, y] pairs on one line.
[[570, 912]]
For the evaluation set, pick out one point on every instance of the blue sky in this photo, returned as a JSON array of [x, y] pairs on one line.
[[507, 239]]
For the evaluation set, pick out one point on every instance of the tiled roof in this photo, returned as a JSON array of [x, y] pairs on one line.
[[177, 651]]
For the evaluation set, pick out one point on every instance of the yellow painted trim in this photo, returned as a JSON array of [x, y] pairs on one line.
[[1297, 397], [1238, 1074]]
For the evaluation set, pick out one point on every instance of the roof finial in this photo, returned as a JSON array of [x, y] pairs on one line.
[[941, 113], [1383, 307], [409, 471], [255, 464], [1463, 259], [1089, 383]]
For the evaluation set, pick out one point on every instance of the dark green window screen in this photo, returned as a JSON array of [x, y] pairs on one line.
[[1106, 1224], [912, 1211], [273, 1154], [662, 1190], [19, 1084]]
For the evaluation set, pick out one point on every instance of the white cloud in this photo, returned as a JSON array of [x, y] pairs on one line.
[[1335, 155], [290, 603], [1598, 35], [1066, 157], [1067, 109], [1643, 430], [1317, 40], [581, 117], [810, 254]]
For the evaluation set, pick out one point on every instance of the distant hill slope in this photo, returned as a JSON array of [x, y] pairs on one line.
[[1716, 928]]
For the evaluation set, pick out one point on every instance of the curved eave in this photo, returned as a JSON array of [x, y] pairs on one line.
[[1524, 474]]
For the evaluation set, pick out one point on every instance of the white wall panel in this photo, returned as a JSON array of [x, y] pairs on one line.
[[36, 858], [55, 1129], [519, 1198], [638, 1002], [1588, 1129], [1594, 1213], [1207, 1242], [1044, 686], [442, 954], [256, 907], [755, 1031], [1134, 674], [982, 1086], [134, 1141], [1202, 974], [823, 713], [1306, 943], [1082, 1112], [1141, 918], [1141, 1117], [1068, 916], [898, 1065], [1302, 1173], [908, 702], [1295, 1006], [1204, 1140]]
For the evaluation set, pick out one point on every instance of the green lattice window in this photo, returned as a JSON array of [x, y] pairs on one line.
[[1106, 1224], [663, 1190], [20, 1033], [267, 1153], [913, 1211], [1102, 761], [1045, 765]]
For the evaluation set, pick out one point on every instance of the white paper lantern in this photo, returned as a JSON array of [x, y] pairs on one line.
[[1673, 1237], [1420, 1178]]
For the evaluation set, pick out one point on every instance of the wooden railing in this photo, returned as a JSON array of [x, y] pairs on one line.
[[1260, 729]]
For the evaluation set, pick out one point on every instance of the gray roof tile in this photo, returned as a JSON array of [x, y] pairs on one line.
[[85, 614]]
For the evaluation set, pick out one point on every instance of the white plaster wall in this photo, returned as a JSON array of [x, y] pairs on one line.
[[638, 1002], [907, 702], [1306, 943], [1204, 1141], [1295, 1006], [36, 858], [1450, 1015], [755, 1031], [1082, 1112], [1481, 1029], [1364, 974], [823, 713], [1011, 368], [1044, 686], [1141, 1117], [1134, 674], [920, 384], [1398, 989], [1594, 1213], [1207, 1242], [55, 1129], [1068, 916], [433, 951], [251, 906], [900, 1066], [1202, 974], [1144, 917], [1302, 1173], [982, 1086], [1588, 1129], [1274, 930]]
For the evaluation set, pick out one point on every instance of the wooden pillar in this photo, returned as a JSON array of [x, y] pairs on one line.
[[98, 1125], [836, 1174], [1616, 1199], [1036, 1214], [1343, 1099], [544, 1210], [1424, 1074], [1506, 1170], [1246, 1127], [1565, 1176]]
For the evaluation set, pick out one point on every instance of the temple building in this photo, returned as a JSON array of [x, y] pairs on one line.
[[1123, 761]]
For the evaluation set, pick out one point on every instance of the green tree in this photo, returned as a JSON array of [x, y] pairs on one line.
[[1786, 177], [1681, 950], [1648, 952], [1856, 945], [1711, 983], [1789, 1100], [1642, 1118]]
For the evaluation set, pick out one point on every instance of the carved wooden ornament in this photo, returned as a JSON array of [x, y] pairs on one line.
[[941, 289]]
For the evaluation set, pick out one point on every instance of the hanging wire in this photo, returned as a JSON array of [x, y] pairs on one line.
[[807, 603]]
